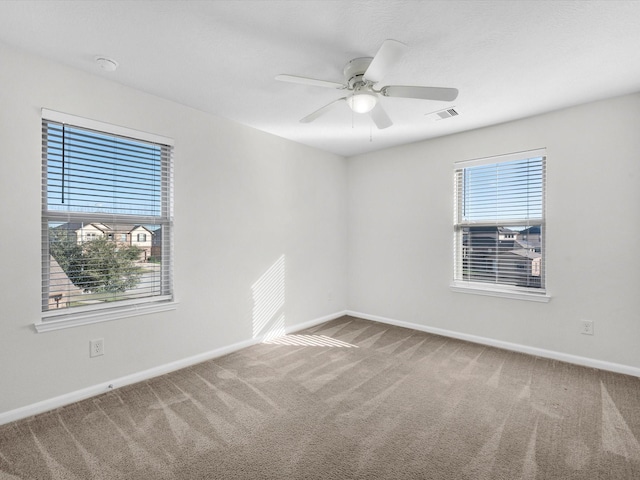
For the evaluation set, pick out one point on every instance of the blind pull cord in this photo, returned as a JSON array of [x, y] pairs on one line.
[[63, 156]]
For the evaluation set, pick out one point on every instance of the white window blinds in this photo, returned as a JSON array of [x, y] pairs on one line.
[[106, 216], [499, 222]]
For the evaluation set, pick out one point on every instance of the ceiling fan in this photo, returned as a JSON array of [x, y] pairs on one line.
[[360, 77]]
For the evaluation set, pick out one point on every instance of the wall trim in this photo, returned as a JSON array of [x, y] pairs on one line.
[[516, 347], [103, 387]]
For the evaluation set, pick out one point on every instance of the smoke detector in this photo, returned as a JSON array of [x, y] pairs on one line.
[[107, 64]]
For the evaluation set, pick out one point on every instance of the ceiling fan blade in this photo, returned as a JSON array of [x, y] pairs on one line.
[[380, 117], [321, 111], [424, 93], [389, 55], [309, 81]]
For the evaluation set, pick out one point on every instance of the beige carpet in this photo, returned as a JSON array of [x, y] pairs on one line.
[[346, 399]]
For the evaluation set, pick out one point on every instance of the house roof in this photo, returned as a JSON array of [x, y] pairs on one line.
[[532, 230], [136, 227], [119, 228], [528, 244], [521, 252]]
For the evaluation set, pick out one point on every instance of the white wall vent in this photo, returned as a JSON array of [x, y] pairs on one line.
[[442, 114], [448, 113]]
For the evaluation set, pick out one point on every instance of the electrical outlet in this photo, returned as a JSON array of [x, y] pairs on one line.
[[586, 327], [96, 347]]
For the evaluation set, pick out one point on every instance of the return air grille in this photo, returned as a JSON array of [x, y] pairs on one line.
[[450, 112], [442, 114]]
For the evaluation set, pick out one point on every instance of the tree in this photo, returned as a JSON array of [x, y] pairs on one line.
[[99, 265], [109, 267]]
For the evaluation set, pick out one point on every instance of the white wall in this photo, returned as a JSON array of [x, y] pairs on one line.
[[401, 234], [243, 200]]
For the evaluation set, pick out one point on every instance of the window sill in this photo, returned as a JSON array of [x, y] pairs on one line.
[[495, 291], [86, 318]]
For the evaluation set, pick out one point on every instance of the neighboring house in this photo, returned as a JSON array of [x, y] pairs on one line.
[[531, 236], [82, 232], [530, 245], [135, 235], [506, 233], [524, 263], [156, 243], [142, 237], [503, 255]]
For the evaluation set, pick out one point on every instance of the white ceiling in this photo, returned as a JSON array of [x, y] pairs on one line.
[[509, 59]]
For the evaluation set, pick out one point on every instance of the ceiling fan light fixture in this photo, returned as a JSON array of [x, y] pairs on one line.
[[362, 102]]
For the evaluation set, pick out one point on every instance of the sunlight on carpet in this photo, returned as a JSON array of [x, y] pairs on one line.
[[309, 341]]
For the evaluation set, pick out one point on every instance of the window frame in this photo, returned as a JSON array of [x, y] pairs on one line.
[[460, 285], [64, 318]]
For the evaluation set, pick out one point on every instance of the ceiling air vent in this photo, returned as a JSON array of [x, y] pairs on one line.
[[448, 113], [442, 114]]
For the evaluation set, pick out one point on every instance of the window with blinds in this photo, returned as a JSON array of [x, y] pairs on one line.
[[106, 217], [499, 239]]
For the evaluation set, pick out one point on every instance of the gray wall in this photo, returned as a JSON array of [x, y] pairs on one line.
[[243, 200], [401, 234]]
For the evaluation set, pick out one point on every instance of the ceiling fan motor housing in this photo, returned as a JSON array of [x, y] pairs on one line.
[[354, 71]]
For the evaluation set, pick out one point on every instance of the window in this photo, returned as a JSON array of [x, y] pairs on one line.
[[499, 231], [100, 182], [142, 237]]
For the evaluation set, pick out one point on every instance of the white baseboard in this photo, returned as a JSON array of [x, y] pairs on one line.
[[538, 352], [71, 397], [76, 396]]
